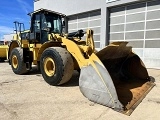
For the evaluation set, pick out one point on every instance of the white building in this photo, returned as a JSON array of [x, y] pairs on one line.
[[135, 21]]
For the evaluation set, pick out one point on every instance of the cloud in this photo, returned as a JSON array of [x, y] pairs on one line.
[[25, 6], [6, 30], [19, 19], [5, 18]]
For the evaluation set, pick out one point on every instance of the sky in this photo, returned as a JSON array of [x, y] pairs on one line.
[[14, 10]]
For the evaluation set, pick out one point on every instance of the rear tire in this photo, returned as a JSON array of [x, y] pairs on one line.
[[56, 65], [17, 63]]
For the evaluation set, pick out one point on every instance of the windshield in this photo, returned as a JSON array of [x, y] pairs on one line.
[[53, 22]]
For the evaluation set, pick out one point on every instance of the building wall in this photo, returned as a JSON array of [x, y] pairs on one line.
[[135, 21], [69, 7], [139, 24], [85, 21]]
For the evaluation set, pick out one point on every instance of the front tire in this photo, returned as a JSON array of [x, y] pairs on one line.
[[17, 63], [56, 65]]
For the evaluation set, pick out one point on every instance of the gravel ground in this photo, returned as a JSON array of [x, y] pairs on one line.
[[29, 97]]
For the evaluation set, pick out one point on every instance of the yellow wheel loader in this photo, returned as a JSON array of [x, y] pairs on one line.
[[3, 52], [114, 76]]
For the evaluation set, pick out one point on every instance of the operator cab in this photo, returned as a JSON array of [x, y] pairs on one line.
[[44, 22]]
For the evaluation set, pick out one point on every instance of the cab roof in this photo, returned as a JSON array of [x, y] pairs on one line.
[[45, 10]]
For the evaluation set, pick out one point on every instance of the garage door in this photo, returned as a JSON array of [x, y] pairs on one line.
[[139, 24], [84, 21]]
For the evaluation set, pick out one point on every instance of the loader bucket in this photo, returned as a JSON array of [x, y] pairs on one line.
[[115, 77]]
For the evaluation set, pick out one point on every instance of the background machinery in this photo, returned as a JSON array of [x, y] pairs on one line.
[[3, 52], [5, 46], [115, 76]]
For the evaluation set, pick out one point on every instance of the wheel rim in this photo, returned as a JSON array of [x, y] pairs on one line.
[[49, 66], [14, 61]]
